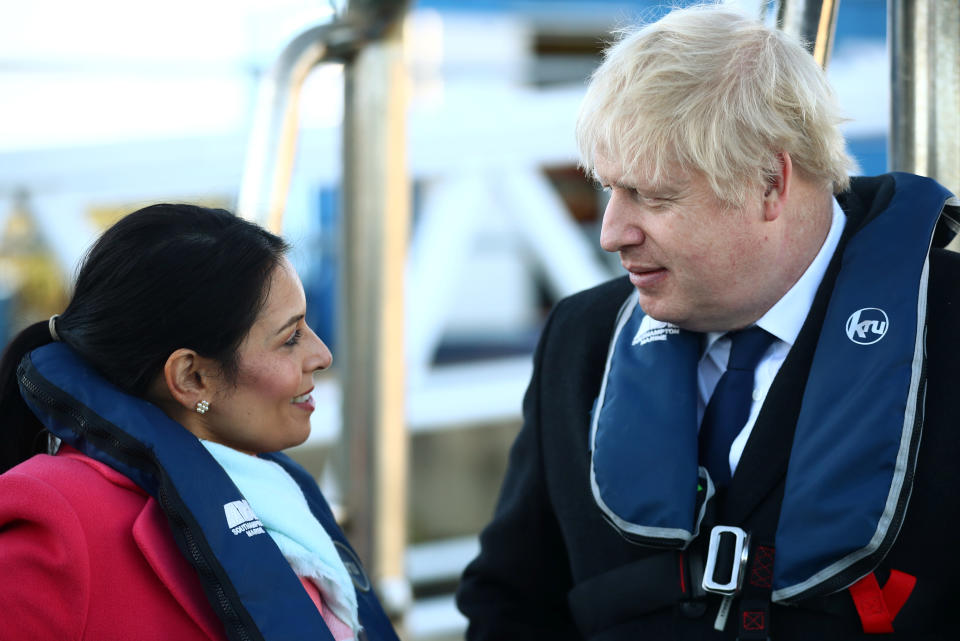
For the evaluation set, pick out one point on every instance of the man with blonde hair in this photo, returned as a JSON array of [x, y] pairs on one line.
[[726, 443]]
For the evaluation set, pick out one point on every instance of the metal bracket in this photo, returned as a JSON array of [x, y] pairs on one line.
[[729, 547]]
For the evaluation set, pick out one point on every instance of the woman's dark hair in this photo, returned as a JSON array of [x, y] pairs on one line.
[[162, 278]]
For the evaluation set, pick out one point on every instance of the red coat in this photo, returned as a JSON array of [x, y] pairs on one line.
[[86, 554]]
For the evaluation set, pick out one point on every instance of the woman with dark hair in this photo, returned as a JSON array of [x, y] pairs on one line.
[[142, 494]]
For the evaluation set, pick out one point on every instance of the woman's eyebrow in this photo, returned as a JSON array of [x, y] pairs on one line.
[[293, 321]]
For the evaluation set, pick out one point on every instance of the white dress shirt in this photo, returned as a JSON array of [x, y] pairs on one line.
[[784, 321]]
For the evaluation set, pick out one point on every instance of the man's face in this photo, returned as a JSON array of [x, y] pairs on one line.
[[694, 262]]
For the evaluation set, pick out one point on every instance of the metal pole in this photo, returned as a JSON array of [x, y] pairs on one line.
[[272, 147], [376, 230], [271, 151], [925, 88], [372, 456], [813, 22]]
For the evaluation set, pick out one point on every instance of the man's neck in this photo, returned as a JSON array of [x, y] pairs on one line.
[[786, 316]]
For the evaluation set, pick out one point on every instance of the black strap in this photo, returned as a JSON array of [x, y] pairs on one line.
[[754, 619]]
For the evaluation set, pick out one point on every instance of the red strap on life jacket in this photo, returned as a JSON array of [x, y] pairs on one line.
[[897, 590], [878, 608]]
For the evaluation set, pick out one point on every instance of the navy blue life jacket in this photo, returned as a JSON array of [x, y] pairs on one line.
[[247, 581], [857, 436]]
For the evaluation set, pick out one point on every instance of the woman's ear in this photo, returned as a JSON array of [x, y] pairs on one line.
[[187, 378]]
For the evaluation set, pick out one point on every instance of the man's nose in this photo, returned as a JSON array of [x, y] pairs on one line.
[[619, 228]]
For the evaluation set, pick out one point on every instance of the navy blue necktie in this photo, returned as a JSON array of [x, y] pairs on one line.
[[729, 407]]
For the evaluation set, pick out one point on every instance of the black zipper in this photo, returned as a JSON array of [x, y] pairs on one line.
[[199, 562]]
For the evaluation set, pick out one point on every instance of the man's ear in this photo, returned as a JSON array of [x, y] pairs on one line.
[[187, 377], [778, 188]]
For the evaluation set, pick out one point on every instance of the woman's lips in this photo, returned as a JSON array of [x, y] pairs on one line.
[[304, 401]]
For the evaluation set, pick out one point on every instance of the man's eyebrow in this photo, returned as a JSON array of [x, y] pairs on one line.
[[600, 182], [655, 191], [648, 191], [652, 191], [293, 321]]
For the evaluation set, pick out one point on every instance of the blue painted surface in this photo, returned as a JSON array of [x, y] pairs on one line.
[[646, 11], [321, 284], [6, 313], [871, 153], [861, 19], [856, 18]]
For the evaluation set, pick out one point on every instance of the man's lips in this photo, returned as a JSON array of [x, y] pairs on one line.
[[640, 269], [645, 276]]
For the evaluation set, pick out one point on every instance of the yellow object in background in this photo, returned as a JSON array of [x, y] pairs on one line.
[[31, 278]]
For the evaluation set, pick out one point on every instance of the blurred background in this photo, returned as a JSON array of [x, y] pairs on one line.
[[106, 106]]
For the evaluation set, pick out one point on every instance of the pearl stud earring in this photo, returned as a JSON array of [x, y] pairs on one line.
[[202, 407]]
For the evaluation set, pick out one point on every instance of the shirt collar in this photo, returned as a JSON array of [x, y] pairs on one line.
[[786, 317]]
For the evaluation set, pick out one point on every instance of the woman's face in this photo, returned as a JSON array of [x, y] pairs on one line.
[[269, 407]]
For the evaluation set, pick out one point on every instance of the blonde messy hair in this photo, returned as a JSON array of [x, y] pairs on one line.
[[712, 90]]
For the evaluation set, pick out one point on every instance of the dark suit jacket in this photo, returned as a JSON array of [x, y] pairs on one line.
[[548, 542]]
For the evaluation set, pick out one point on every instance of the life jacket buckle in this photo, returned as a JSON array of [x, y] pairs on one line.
[[726, 560]]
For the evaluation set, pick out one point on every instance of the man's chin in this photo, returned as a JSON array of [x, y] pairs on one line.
[[653, 307]]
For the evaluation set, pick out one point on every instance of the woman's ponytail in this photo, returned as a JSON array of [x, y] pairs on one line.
[[21, 433]]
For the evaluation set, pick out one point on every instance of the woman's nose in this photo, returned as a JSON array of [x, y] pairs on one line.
[[320, 357]]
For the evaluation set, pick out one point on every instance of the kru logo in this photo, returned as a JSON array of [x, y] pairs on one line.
[[867, 326]]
